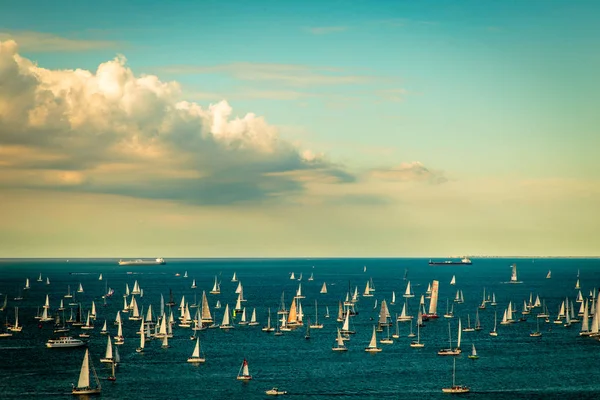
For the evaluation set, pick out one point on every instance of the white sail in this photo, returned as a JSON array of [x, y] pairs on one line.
[[234, 278], [196, 352], [253, 318], [100, 277], [408, 292], [239, 289], [109, 349], [206, 316], [393, 298], [453, 280], [367, 292], [324, 288], [459, 334], [549, 275], [434, 298], [84, 374], [340, 340], [225, 322]]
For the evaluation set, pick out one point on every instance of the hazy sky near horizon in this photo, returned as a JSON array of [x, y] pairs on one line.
[[321, 128]]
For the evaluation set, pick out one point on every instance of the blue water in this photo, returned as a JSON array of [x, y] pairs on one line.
[[560, 364]]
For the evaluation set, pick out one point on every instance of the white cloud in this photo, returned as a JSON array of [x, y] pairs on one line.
[[48, 42], [290, 74], [110, 131], [412, 171]]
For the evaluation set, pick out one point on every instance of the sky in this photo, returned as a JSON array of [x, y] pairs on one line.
[[311, 129]]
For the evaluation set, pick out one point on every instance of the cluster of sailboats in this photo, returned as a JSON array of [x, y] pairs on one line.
[[158, 323]]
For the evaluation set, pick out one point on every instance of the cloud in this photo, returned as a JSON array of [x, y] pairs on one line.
[[409, 172], [324, 30], [48, 42], [112, 132], [289, 74]]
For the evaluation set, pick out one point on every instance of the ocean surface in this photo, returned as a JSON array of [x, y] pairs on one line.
[[560, 364]]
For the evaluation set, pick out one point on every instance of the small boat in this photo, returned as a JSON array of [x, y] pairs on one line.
[[494, 332], [372, 347], [549, 274], [216, 287], [473, 355], [340, 346], [275, 392], [234, 278], [417, 343], [453, 280], [537, 332], [513, 276], [39, 279], [311, 277], [83, 385], [456, 389], [196, 358], [323, 288], [244, 373], [268, 328], [316, 325]]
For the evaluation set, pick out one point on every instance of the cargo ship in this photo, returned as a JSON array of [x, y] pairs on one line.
[[158, 261], [464, 261]]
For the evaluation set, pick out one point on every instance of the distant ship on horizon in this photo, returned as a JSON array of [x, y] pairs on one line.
[[464, 261], [157, 261]]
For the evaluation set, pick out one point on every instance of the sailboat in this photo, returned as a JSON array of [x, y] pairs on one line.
[[80, 290], [456, 389], [108, 356], [4, 304], [47, 281], [244, 373], [473, 355], [226, 324], [100, 277], [452, 351], [268, 328], [417, 343], [253, 321], [387, 339], [453, 280], [27, 287], [16, 327], [83, 385], [372, 347], [142, 342], [340, 346], [408, 293], [397, 334], [234, 278], [196, 358], [367, 292], [468, 328], [494, 332], [393, 298], [323, 288], [549, 274], [316, 325], [216, 289], [307, 334], [39, 279], [311, 277], [537, 332], [513, 276], [326, 311]]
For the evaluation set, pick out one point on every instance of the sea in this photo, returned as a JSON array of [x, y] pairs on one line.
[[558, 365]]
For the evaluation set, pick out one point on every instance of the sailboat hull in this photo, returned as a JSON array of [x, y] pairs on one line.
[[196, 360], [77, 391]]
